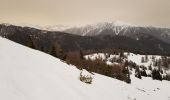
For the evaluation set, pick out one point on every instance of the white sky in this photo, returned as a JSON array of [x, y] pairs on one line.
[[52, 12]]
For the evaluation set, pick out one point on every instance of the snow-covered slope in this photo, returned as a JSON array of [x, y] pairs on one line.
[[27, 74], [143, 61], [136, 58]]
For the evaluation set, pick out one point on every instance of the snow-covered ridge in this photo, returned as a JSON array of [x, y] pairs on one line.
[[114, 28], [96, 28], [56, 27], [61, 27]]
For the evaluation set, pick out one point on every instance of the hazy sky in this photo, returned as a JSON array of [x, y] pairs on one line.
[[52, 12]]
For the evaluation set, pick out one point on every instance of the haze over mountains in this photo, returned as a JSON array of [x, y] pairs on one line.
[[122, 29], [105, 35], [114, 28]]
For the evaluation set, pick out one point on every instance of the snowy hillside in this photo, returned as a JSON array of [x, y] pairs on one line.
[[137, 58], [27, 74], [145, 62]]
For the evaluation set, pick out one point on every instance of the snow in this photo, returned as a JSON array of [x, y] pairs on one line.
[[96, 55], [136, 58], [150, 89], [27, 74], [130, 57], [86, 73]]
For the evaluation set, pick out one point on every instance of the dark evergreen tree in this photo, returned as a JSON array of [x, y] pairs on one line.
[[121, 55], [146, 58], [156, 75], [81, 55], [142, 60], [57, 51], [53, 51], [150, 67], [126, 63], [30, 43], [127, 74], [143, 72], [138, 73], [42, 49]]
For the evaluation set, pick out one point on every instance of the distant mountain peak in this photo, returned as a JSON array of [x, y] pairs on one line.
[[116, 23], [106, 24], [100, 27], [58, 27]]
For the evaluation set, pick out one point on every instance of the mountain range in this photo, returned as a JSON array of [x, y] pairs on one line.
[[122, 29], [105, 35]]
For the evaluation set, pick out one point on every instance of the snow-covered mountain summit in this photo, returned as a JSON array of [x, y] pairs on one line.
[[122, 29], [97, 28], [106, 24]]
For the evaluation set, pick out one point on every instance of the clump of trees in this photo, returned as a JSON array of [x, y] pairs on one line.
[[156, 75], [118, 71], [144, 59], [57, 51]]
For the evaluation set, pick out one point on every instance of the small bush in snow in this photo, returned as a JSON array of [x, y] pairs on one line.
[[86, 78]]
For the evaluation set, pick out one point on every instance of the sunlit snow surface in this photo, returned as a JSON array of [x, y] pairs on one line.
[[27, 74]]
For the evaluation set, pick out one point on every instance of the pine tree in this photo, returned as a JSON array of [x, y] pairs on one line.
[[121, 55], [30, 43], [142, 60], [81, 55], [127, 73], [53, 51], [146, 58], [42, 49], [126, 63], [143, 72], [57, 51], [156, 75], [150, 67], [138, 73]]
